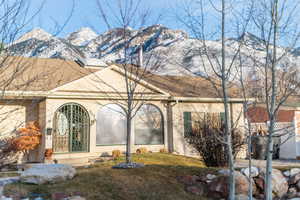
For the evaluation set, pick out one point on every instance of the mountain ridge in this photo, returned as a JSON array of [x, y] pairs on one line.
[[177, 53]]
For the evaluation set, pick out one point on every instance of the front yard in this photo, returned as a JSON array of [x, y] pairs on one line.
[[157, 180]]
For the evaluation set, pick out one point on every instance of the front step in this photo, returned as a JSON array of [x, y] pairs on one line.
[[76, 162]]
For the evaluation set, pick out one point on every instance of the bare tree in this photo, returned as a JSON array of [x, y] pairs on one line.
[[276, 23], [218, 67], [133, 63], [15, 18]]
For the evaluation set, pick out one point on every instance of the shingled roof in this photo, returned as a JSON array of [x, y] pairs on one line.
[[38, 74], [188, 86], [45, 74], [260, 115], [183, 86]]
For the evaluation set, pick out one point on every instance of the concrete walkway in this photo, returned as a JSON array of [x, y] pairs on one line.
[[4, 181], [276, 163]]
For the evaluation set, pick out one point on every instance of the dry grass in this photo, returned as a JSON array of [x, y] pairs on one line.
[[155, 181], [8, 174]]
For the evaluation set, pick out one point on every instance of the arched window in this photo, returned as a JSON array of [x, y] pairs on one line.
[[111, 125], [148, 125]]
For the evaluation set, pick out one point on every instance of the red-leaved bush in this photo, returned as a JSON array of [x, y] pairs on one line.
[[26, 139]]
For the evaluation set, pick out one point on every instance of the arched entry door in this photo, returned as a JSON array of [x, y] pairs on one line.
[[71, 129]]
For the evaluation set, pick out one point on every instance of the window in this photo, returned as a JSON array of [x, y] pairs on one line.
[[187, 122], [148, 126], [111, 125], [190, 119]]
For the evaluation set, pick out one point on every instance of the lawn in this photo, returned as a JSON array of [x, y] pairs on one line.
[[8, 174], [157, 180]]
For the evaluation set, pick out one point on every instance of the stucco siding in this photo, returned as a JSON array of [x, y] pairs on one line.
[[180, 145], [93, 106], [106, 81], [14, 114]]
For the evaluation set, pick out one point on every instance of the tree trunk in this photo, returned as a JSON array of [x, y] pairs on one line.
[[226, 109], [272, 111], [268, 175], [250, 192], [128, 146]]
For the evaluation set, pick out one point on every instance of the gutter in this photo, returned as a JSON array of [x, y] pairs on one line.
[[39, 94], [57, 94], [210, 100]]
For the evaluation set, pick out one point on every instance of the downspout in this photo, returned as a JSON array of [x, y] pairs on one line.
[[170, 126]]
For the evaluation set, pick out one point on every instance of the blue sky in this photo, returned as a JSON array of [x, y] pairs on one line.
[[86, 14]]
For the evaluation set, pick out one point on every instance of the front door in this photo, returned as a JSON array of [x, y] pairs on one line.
[[71, 129]]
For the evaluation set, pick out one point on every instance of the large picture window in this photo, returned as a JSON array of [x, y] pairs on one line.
[[111, 125], [148, 125]]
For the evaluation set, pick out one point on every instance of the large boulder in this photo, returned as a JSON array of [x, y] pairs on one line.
[[47, 173], [292, 193], [279, 183], [294, 171], [197, 189], [254, 171], [188, 180], [219, 187], [294, 179]]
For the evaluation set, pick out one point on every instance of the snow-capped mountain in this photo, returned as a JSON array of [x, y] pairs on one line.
[[81, 37], [37, 33], [173, 50], [39, 43]]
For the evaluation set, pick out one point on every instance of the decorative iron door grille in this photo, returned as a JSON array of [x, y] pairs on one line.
[[71, 129]]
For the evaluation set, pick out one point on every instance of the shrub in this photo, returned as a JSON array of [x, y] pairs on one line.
[[48, 154], [26, 139], [116, 154], [8, 152], [141, 150], [163, 150], [206, 137]]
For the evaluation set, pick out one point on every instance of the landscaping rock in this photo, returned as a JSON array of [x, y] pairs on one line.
[[298, 185], [225, 172], [6, 198], [279, 183], [188, 180], [292, 193], [219, 187], [210, 176], [294, 179], [294, 171], [9, 180], [260, 183], [198, 189], [128, 165], [287, 173], [77, 198], [47, 173], [254, 171], [59, 196], [242, 197]]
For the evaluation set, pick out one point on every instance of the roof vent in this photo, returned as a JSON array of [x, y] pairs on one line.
[[80, 62], [95, 62]]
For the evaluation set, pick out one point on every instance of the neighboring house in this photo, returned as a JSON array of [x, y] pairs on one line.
[[75, 107], [287, 127]]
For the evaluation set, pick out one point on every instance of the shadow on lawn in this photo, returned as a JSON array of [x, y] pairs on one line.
[[102, 182]]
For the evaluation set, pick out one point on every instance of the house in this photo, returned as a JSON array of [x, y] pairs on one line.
[[286, 127], [76, 107]]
